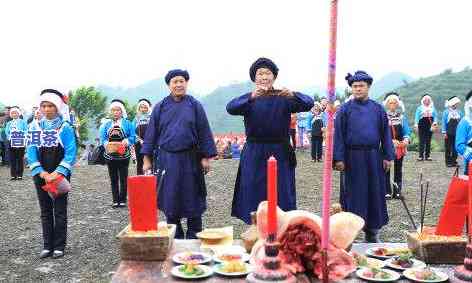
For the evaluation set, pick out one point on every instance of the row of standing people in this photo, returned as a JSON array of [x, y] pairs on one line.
[[178, 144]]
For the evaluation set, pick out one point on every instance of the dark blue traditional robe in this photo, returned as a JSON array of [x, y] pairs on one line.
[[179, 135], [266, 118], [362, 140]]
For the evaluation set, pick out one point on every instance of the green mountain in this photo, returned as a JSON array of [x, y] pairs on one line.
[[388, 83], [440, 87], [215, 107]]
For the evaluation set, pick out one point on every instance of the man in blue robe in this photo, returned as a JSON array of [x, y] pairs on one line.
[[180, 137], [266, 113], [363, 149]]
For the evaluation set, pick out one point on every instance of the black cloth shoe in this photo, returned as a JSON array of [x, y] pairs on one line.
[[57, 254], [420, 159], [388, 196], [19, 178], [12, 178], [45, 253], [372, 236], [429, 159], [115, 205], [122, 204]]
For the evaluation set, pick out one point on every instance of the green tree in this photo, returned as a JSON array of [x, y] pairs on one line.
[[130, 110], [89, 106]]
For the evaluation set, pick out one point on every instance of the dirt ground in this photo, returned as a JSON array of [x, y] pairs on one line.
[[92, 251]]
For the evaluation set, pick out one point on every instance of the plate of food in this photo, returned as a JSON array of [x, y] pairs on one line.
[[211, 236], [232, 268], [385, 253], [194, 257], [362, 261], [426, 274], [191, 271], [231, 256], [377, 274], [404, 261]]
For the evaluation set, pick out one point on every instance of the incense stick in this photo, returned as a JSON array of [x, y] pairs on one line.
[[421, 207], [424, 205], [402, 199]]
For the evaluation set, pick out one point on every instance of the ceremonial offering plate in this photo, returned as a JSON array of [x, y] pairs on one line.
[[365, 273], [372, 263], [201, 271], [195, 257], [211, 235], [413, 274], [230, 254], [220, 269], [385, 253], [416, 264]]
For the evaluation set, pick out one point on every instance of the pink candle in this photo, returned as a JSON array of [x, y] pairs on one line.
[[469, 211], [272, 195], [327, 168]]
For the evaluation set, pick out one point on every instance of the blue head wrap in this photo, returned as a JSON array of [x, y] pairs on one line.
[[263, 63], [359, 76], [175, 73]]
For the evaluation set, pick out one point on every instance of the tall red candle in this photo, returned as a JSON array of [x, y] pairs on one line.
[[142, 202], [272, 195]]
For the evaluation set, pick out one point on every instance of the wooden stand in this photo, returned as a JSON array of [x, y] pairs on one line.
[[146, 246]]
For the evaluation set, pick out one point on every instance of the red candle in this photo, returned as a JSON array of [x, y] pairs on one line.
[[142, 202], [272, 195]]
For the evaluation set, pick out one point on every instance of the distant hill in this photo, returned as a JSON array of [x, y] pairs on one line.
[[154, 90], [215, 107], [440, 87], [388, 83]]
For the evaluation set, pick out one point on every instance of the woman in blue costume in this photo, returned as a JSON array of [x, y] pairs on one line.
[[143, 114], [464, 133], [51, 152], [400, 132], [118, 129], [451, 118], [16, 131], [266, 114], [363, 149], [426, 121]]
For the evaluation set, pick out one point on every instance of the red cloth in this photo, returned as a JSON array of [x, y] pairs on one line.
[[454, 211], [51, 187], [400, 151], [121, 150]]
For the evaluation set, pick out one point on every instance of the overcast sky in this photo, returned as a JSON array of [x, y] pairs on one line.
[[64, 44]]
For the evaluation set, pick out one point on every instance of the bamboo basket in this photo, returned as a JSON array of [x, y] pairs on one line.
[[440, 250], [146, 246]]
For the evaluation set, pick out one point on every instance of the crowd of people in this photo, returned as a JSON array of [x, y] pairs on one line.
[[173, 140]]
